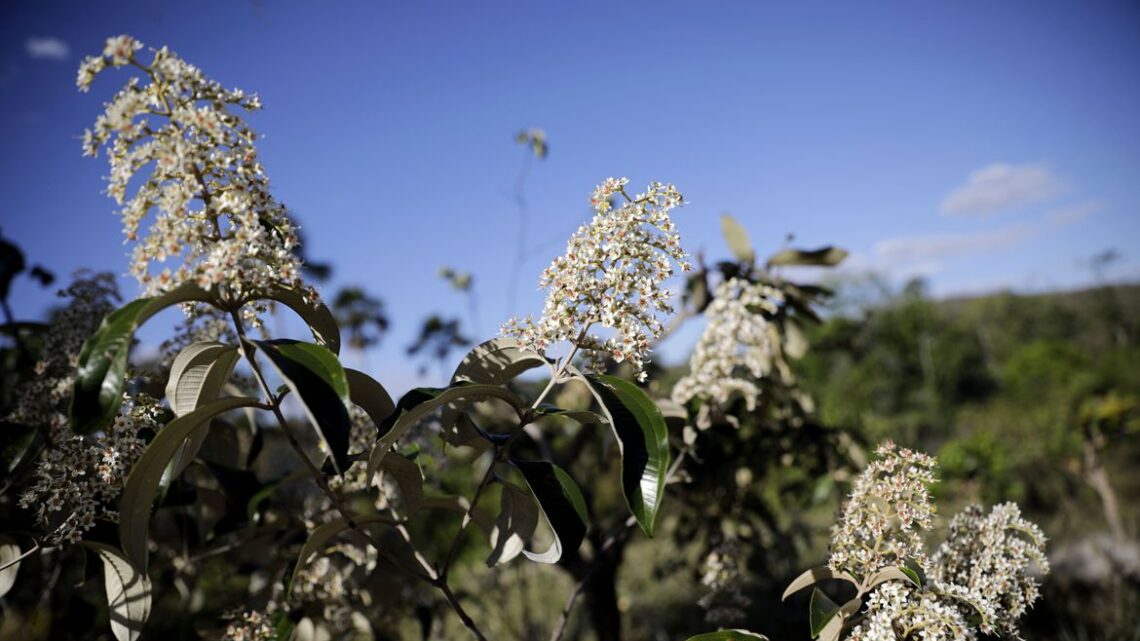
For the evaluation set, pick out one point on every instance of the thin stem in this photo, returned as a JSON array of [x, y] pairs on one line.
[[501, 453], [463, 616], [32, 550], [275, 406]]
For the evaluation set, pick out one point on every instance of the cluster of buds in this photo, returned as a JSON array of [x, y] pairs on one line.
[[990, 562], [886, 515], [78, 478], [983, 577], [180, 136], [737, 342], [250, 626], [611, 276]]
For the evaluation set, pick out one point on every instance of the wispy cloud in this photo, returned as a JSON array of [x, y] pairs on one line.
[[1002, 187], [47, 49], [931, 249], [1071, 214], [928, 248]]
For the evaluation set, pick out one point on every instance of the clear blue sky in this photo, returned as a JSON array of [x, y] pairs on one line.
[[982, 144]]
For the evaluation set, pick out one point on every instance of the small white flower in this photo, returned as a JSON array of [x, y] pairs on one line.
[[889, 509], [736, 343], [611, 276], [171, 132]]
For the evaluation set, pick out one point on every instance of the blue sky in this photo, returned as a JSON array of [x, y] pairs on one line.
[[983, 145]]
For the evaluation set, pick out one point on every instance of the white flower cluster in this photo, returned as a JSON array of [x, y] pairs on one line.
[[983, 576], [78, 478], [724, 573], [42, 401], [989, 562], [736, 341], [173, 131], [896, 610], [889, 509], [250, 626], [611, 275]]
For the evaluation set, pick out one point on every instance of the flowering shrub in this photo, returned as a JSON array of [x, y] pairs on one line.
[[611, 275], [359, 513], [983, 576]]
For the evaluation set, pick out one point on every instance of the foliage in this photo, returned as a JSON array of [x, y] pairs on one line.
[[247, 486]]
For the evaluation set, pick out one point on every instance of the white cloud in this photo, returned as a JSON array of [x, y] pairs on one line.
[[925, 249], [47, 49], [1000, 187], [1074, 213]]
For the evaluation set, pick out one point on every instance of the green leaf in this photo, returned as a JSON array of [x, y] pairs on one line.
[[128, 592], [517, 520], [643, 441], [795, 341], [9, 552], [315, 375], [584, 417], [197, 376], [914, 570], [321, 535], [824, 256], [101, 370], [821, 611], [15, 443], [143, 482], [369, 395], [317, 316], [495, 362], [834, 626], [737, 239], [893, 574], [813, 576], [562, 504], [393, 537], [729, 635], [420, 402], [408, 478], [911, 574]]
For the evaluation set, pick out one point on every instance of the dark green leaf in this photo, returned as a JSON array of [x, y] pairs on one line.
[[517, 520], [914, 571], [128, 592], [408, 479], [824, 256], [420, 402], [821, 611], [9, 552], [737, 239], [562, 504], [315, 375], [369, 395], [197, 376], [495, 362], [319, 538], [317, 316], [729, 635], [15, 443], [143, 482], [644, 443], [813, 576], [585, 417], [893, 574], [101, 370]]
